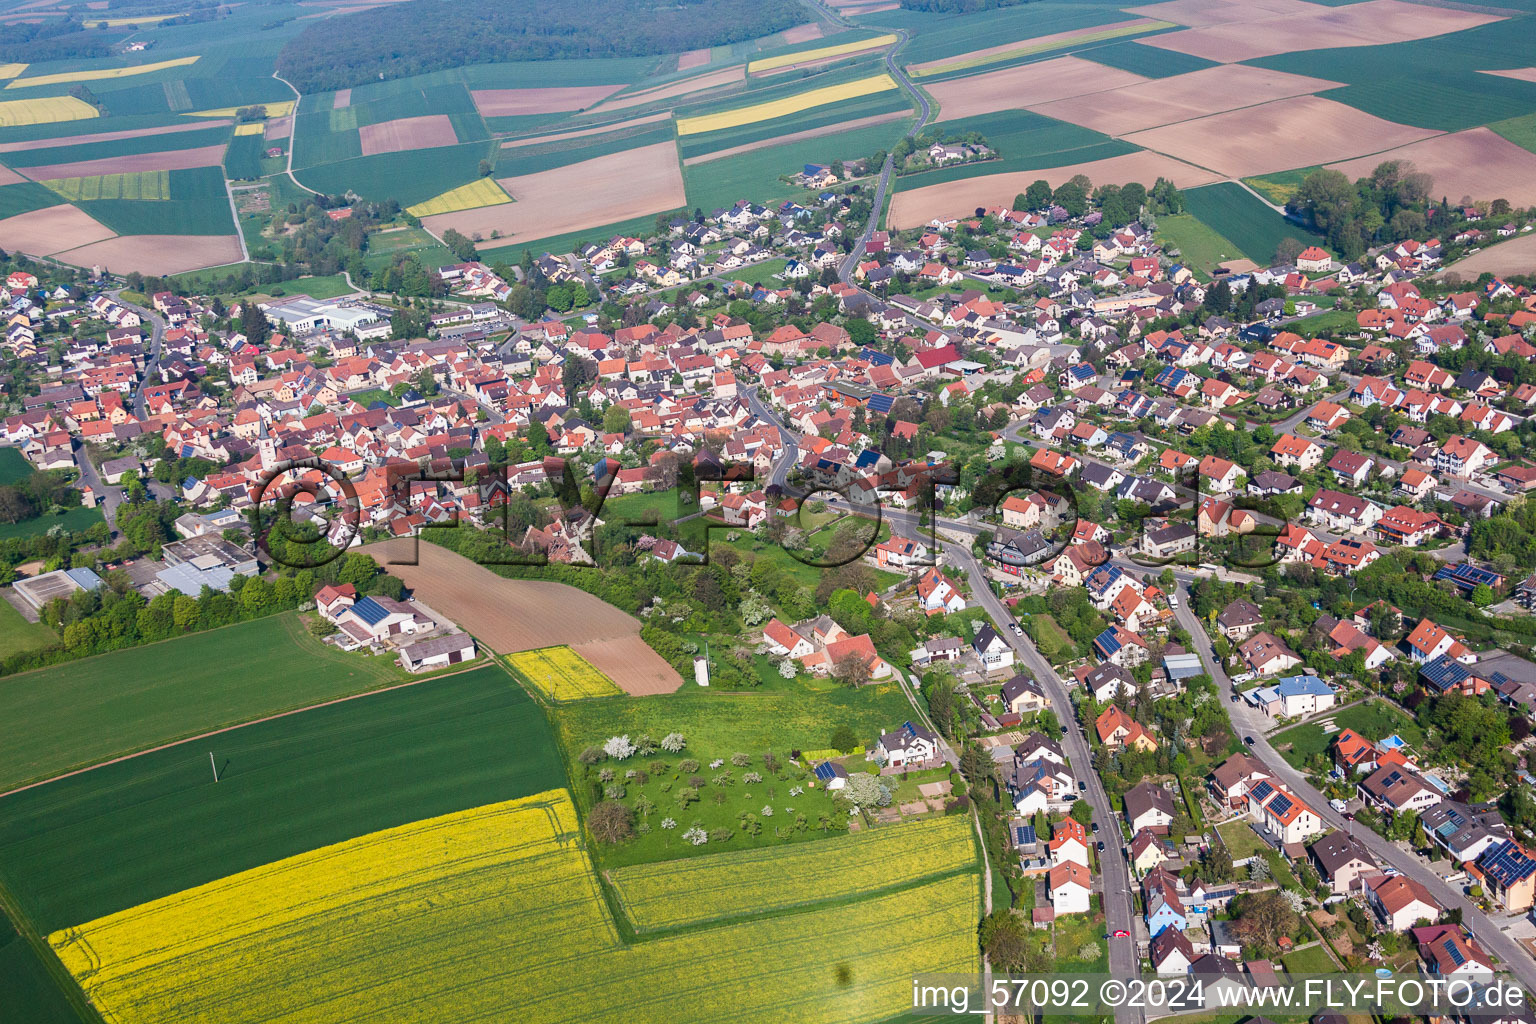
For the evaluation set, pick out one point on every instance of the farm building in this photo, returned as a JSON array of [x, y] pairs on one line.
[[437, 652]]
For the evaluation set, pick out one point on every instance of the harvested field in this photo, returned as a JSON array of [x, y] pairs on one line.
[[157, 254], [807, 58], [1519, 74], [9, 177], [167, 160], [45, 110], [279, 128], [792, 104], [100, 74], [343, 99], [54, 229], [1203, 13], [1372, 23], [425, 132], [519, 102], [1181, 98], [1279, 135], [1038, 44], [1027, 85], [690, 59], [1516, 256], [801, 33], [961, 197], [602, 129], [84, 140], [809, 133], [524, 615], [699, 83], [1476, 163]]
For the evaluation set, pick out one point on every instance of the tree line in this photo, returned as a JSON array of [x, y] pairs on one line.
[[430, 35]]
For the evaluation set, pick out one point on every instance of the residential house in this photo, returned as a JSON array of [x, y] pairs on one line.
[[1149, 806]]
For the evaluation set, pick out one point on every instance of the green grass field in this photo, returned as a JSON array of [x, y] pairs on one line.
[[551, 155], [1281, 185], [1519, 130], [86, 711], [1024, 141], [157, 824], [13, 466], [243, 157], [1149, 61], [845, 112], [1241, 840], [170, 217], [24, 197], [118, 147], [27, 992], [1374, 720], [412, 176], [1200, 247], [1312, 960], [952, 36], [17, 634], [327, 287], [72, 520], [755, 175], [1238, 215]]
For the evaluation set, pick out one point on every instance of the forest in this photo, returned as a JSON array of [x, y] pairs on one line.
[[56, 39], [429, 35]]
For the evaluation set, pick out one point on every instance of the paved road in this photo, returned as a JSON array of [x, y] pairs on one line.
[[152, 362], [1249, 721], [108, 497], [1119, 908], [790, 456]]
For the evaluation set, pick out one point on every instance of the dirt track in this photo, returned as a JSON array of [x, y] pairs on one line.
[[521, 615]]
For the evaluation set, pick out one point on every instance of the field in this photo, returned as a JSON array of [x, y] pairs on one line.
[[117, 136], [50, 230], [1042, 44], [824, 53], [840, 128], [1373, 720], [581, 133], [1309, 27], [536, 941], [242, 160], [30, 994], [849, 115], [68, 708], [630, 183], [70, 520], [1277, 136], [155, 254], [1180, 98], [523, 615], [157, 824], [521, 102], [17, 634], [1476, 163], [407, 133], [1200, 246], [134, 185], [1279, 186], [44, 110], [1312, 960], [14, 466], [685, 87], [478, 193], [170, 160], [1027, 85], [784, 106], [958, 198], [669, 894], [1243, 219], [560, 674], [100, 74], [1516, 256]]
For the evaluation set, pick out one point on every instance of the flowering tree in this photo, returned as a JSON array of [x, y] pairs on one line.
[[619, 747], [697, 836], [673, 742]]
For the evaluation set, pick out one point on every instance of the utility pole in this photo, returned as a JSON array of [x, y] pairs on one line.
[[214, 765]]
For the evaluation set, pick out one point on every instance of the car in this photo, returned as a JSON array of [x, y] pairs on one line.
[[1082, 787], [1236, 698], [1017, 630], [1119, 933], [1173, 600], [1100, 846], [1248, 740], [1095, 827]]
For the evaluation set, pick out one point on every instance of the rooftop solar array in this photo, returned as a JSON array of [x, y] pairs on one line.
[[1281, 806], [1261, 791]]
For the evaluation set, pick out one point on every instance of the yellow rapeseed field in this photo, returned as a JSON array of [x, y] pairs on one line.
[[142, 19], [703, 889], [784, 60], [100, 74], [254, 128], [560, 673], [44, 110], [781, 107], [282, 108], [128, 185], [494, 914], [478, 193]]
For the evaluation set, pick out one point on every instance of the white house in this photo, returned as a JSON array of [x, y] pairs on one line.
[[1070, 886], [911, 744], [992, 649]]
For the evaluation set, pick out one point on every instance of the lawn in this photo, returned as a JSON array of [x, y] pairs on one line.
[[83, 712], [17, 634], [1241, 840], [761, 273], [1200, 246], [1374, 719], [1299, 743], [1237, 214], [72, 520], [14, 466], [150, 826], [371, 395], [1052, 640], [1311, 960]]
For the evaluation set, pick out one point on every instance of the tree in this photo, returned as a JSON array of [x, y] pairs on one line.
[[1037, 196], [1264, 917], [485, 169], [460, 245], [866, 790], [1082, 812], [843, 739], [615, 420], [851, 669], [1005, 939], [611, 822], [1287, 251], [1482, 595]]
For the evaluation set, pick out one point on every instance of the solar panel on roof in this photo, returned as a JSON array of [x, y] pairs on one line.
[[1454, 952], [1281, 806], [1262, 790]]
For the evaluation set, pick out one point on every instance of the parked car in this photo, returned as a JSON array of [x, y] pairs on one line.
[[1119, 933], [1082, 787], [1095, 827], [1100, 846], [1173, 600], [1248, 740]]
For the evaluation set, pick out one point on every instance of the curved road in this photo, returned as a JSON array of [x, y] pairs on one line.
[[157, 339]]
